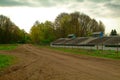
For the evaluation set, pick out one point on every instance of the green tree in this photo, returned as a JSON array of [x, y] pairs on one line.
[[78, 24], [62, 25], [42, 33], [49, 34], [35, 33], [9, 32], [101, 27], [113, 32]]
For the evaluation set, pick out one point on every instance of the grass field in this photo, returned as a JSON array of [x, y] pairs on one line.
[[6, 60], [8, 46], [97, 53]]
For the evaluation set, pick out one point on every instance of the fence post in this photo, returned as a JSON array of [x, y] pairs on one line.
[[117, 47], [97, 46]]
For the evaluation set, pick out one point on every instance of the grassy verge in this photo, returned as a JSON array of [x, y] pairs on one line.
[[6, 60], [97, 53], [8, 46]]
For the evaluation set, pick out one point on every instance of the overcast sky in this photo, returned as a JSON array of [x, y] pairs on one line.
[[25, 12]]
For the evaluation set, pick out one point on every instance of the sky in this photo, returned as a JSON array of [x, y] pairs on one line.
[[24, 13]]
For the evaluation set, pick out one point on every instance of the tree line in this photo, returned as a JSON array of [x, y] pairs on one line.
[[77, 23], [43, 33], [113, 32], [74, 23], [9, 32]]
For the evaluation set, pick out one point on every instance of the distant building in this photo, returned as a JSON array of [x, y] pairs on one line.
[[97, 34], [71, 36]]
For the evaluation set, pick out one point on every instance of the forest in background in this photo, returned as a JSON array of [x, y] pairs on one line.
[[43, 33]]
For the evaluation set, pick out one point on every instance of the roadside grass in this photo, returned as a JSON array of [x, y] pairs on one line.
[[6, 60], [8, 46], [96, 53]]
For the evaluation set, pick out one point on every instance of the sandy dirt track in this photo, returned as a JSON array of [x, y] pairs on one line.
[[44, 64]]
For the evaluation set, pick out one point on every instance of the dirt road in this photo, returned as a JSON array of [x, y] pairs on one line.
[[44, 64]]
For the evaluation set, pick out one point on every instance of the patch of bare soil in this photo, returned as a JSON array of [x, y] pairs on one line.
[[44, 64]]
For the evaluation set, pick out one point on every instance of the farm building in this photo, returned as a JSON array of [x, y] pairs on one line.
[[71, 36], [97, 34], [97, 40]]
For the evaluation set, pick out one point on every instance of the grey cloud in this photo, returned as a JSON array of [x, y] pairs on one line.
[[95, 7], [80, 0], [43, 3], [48, 3], [35, 3], [99, 1], [105, 8], [12, 3], [30, 3], [114, 7]]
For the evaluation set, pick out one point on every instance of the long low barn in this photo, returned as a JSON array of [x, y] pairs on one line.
[[85, 42]]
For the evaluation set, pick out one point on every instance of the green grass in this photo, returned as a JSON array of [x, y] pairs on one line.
[[6, 60], [97, 53], [8, 46]]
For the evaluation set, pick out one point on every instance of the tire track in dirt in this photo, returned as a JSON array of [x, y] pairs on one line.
[[45, 64], [99, 69]]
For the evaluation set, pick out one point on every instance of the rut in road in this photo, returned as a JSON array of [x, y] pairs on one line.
[[45, 64]]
